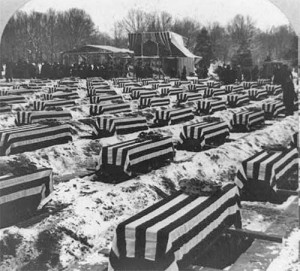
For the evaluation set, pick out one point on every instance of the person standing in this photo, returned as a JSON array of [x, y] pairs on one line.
[[289, 94], [183, 74], [9, 71]]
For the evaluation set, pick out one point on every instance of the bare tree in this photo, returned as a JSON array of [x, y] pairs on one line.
[[76, 26], [188, 28], [137, 21], [220, 41], [241, 30]]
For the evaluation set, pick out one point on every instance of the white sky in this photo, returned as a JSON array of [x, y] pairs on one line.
[[105, 12]]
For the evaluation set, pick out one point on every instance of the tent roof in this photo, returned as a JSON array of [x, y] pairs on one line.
[[100, 48], [177, 40], [170, 40]]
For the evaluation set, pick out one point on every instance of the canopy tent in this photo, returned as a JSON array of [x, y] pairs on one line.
[[96, 53], [166, 46]]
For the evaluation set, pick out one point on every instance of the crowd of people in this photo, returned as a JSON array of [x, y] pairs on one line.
[[229, 75], [25, 70], [226, 74]]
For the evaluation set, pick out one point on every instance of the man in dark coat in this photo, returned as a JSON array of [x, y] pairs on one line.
[[289, 94], [9, 71]]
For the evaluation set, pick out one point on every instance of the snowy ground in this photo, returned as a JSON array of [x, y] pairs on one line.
[[85, 227]]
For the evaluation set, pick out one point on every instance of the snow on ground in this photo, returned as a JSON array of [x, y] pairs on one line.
[[93, 209], [289, 258], [86, 226]]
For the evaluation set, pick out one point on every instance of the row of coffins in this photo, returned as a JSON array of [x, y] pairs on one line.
[[195, 136], [172, 233], [64, 95], [22, 192], [130, 157], [203, 106], [106, 125]]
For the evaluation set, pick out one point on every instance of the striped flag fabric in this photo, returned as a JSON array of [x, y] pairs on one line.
[[203, 131], [32, 137], [152, 102], [16, 86], [273, 89], [168, 234], [127, 89], [266, 166], [105, 98], [188, 97], [124, 83], [247, 119], [208, 92], [51, 90], [175, 91], [164, 85], [50, 115], [235, 100], [248, 85], [218, 92], [22, 118], [59, 103], [274, 108], [209, 106], [131, 88], [233, 88], [5, 108], [229, 88], [47, 96], [155, 86], [193, 80], [120, 125], [173, 80], [20, 91], [203, 81], [100, 91], [138, 93], [12, 99], [164, 91], [177, 84], [33, 86], [129, 154], [3, 92], [163, 37], [28, 117], [99, 109], [132, 38], [65, 95], [261, 82], [173, 116], [256, 94], [213, 84], [21, 195], [196, 87]]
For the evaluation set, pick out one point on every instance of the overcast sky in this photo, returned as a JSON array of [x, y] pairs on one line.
[[105, 12]]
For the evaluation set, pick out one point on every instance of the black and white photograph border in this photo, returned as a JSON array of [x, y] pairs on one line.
[[157, 135]]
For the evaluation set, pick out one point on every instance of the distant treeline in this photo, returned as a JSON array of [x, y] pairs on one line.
[[38, 37]]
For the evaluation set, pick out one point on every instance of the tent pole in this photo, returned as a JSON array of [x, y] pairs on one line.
[[142, 47]]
